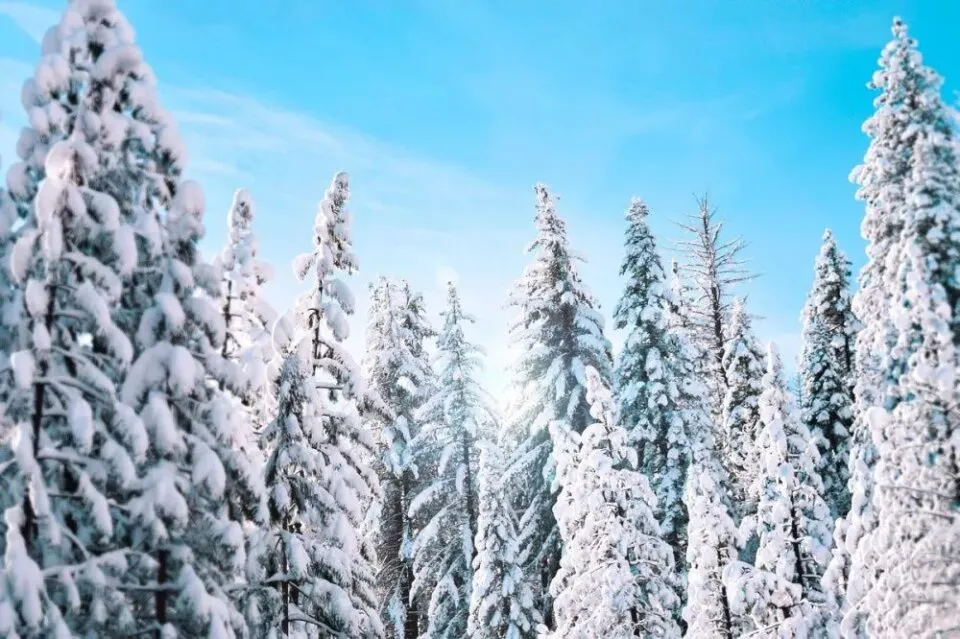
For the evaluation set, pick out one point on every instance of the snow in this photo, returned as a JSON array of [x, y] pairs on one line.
[[165, 436], [652, 374], [399, 373], [740, 425], [616, 575], [501, 603], [544, 378]]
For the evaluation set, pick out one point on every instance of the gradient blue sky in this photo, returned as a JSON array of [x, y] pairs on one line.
[[446, 114]]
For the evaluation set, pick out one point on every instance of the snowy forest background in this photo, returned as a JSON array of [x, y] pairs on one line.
[[181, 459]]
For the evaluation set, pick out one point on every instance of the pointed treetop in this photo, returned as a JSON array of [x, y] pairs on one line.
[[240, 216], [340, 185], [600, 397], [548, 223], [454, 311], [331, 235], [831, 253], [901, 54], [899, 28], [774, 366], [638, 210], [739, 318], [544, 197]]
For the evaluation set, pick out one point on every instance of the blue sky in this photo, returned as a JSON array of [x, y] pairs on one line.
[[445, 113]]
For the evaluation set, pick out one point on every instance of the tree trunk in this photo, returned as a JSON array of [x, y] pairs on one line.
[[727, 617], [161, 596], [469, 496], [285, 592], [226, 322], [29, 528], [411, 624]]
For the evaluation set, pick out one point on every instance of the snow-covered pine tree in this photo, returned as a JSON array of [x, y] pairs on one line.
[[92, 82], [909, 112], [10, 306], [75, 447], [794, 524], [316, 581], [247, 345], [711, 546], [196, 487], [400, 372], [453, 418], [10, 327], [711, 531], [317, 475], [917, 540], [92, 85], [826, 369], [327, 306], [740, 425], [653, 376], [714, 267], [246, 314], [616, 576], [501, 604], [558, 333]]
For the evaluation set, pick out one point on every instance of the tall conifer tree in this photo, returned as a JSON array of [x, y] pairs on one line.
[[826, 369], [559, 333]]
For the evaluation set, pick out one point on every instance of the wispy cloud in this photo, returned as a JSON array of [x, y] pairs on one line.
[[34, 20], [416, 217], [403, 202]]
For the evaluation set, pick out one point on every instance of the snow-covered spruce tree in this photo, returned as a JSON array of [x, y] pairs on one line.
[[652, 375], [91, 85], [740, 425], [75, 447], [826, 369], [246, 314], [10, 327], [10, 303], [196, 487], [247, 345], [711, 546], [327, 306], [92, 82], [400, 372], [318, 476], [917, 540], [501, 603], [909, 109], [794, 524], [713, 267], [453, 418], [74, 77], [711, 531], [660, 404], [616, 576], [558, 333], [316, 579]]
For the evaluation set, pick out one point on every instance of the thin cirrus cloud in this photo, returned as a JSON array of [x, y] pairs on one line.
[[34, 20], [415, 217], [409, 210]]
